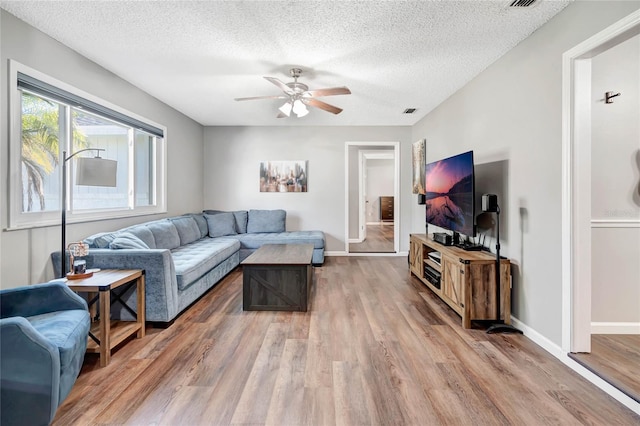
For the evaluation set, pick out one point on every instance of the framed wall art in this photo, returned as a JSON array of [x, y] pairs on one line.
[[283, 176], [418, 156]]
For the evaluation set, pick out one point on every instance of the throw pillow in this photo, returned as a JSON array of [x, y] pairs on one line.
[[126, 240], [221, 224], [101, 240], [144, 233]]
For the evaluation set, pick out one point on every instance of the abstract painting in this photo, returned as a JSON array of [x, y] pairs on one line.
[[283, 176]]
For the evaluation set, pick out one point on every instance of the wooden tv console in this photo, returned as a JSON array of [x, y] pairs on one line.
[[467, 281]]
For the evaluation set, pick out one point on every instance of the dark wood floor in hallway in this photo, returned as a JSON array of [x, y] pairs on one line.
[[375, 348]]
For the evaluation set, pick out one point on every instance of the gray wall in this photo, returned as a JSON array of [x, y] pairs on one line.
[[510, 116], [25, 253], [615, 185], [233, 154], [379, 184]]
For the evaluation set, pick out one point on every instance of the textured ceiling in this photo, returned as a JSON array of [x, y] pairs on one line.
[[197, 56]]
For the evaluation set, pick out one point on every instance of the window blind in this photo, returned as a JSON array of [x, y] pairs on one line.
[[38, 87]]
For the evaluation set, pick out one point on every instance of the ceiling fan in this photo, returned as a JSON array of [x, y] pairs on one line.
[[299, 96]]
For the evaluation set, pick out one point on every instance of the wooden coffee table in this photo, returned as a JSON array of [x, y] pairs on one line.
[[277, 277], [108, 334]]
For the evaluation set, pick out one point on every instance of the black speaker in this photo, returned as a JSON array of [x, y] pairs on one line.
[[422, 199], [489, 203]]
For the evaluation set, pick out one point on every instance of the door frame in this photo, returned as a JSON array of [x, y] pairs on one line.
[[363, 157], [576, 180], [396, 188]]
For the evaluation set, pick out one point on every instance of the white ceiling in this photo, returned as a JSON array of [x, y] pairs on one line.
[[197, 56]]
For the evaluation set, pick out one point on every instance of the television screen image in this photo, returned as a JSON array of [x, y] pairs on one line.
[[449, 186]]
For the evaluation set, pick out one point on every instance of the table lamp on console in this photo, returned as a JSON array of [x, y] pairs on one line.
[[90, 171]]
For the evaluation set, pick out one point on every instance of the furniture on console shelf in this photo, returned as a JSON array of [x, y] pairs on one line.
[[107, 334], [184, 256], [277, 277], [386, 209], [467, 282], [43, 336]]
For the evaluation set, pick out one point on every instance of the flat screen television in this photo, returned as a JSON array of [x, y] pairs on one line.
[[450, 194]]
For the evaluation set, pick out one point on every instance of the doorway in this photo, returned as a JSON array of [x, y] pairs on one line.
[[595, 224], [371, 194]]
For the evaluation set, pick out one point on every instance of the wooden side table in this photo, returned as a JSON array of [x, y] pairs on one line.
[[108, 334]]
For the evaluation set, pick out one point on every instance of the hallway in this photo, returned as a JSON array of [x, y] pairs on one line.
[[379, 240]]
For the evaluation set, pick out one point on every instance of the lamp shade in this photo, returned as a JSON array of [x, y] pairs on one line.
[[299, 108], [96, 172], [286, 109]]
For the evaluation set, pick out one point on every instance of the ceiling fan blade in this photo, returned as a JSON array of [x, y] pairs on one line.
[[252, 98], [329, 92], [286, 89], [322, 105]]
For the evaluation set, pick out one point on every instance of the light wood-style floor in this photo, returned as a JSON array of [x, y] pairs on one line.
[[616, 359], [379, 240], [376, 347]]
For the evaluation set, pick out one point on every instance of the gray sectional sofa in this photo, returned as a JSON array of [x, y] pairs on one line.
[[184, 256]]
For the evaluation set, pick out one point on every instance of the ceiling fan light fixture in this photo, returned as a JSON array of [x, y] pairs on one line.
[[299, 97], [286, 108], [300, 108]]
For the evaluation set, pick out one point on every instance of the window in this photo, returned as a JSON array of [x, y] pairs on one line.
[[55, 118]]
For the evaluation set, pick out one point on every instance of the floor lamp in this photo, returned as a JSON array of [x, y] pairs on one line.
[[89, 172], [490, 204]]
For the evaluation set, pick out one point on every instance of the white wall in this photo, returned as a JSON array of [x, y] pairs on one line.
[[510, 115], [354, 184], [25, 253], [379, 184], [232, 156], [615, 185], [354, 192]]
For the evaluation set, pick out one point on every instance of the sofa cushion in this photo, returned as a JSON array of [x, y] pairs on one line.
[[202, 224], [266, 221], [126, 240], [187, 228], [165, 234], [241, 221], [221, 224], [256, 240], [196, 259], [62, 329], [100, 240], [144, 233], [239, 215]]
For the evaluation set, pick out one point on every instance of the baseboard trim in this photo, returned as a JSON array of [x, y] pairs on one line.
[[355, 240], [557, 352], [615, 328]]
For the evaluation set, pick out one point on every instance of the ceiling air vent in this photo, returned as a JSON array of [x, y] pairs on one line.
[[409, 110], [522, 3]]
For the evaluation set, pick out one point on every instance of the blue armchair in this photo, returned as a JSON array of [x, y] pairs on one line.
[[43, 338]]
